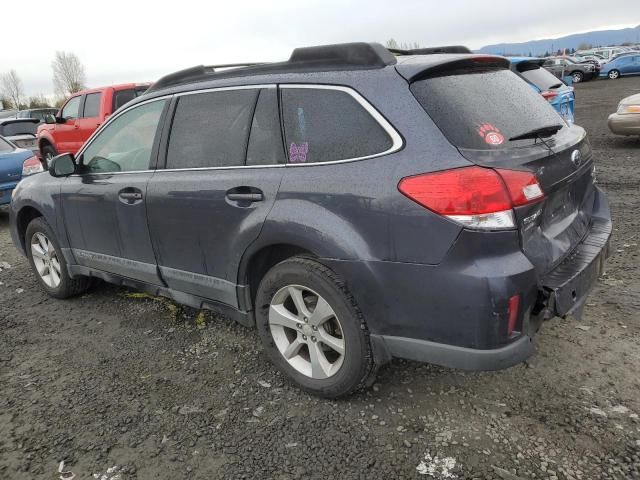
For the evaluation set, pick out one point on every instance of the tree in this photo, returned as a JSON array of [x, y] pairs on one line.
[[68, 73], [584, 46], [39, 101], [391, 43], [11, 88]]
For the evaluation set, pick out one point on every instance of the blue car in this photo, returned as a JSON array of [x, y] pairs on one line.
[[15, 163], [628, 64], [560, 95]]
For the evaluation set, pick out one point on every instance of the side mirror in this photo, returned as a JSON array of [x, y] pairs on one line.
[[62, 165], [49, 119]]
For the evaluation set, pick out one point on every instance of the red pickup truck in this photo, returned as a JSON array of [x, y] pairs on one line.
[[81, 115]]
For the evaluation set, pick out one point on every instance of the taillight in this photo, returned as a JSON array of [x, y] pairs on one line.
[[30, 166], [548, 95], [476, 197]]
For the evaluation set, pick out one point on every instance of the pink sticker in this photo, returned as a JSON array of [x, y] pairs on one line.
[[490, 134], [298, 153]]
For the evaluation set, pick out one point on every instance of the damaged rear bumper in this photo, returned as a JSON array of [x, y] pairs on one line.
[[567, 286]]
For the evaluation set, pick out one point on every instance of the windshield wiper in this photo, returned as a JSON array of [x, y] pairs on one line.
[[555, 85], [538, 133]]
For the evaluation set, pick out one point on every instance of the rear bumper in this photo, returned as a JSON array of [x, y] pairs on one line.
[[459, 357], [5, 192], [456, 313], [628, 124]]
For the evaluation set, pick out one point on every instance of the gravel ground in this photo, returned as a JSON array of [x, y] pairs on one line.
[[123, 386]]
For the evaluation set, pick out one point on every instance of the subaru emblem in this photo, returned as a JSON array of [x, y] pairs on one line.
[[576, 158]]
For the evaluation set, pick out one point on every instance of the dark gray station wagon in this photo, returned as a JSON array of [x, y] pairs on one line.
[[352, 203]]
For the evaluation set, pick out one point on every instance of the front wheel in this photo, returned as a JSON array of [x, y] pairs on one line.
[[577, 77], [48, 263], [48, 152], [312, 330], [614, 74]]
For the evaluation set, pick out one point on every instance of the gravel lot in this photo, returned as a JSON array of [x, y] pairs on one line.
[[122, 386]]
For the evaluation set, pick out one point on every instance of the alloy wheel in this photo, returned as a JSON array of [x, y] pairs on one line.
[[307, 331], [45, 260], [613, 74]]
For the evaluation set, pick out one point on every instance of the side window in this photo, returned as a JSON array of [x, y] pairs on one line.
[[71, 108], [211, 129], [265, 141], [322, 125], [121, 97], [126, 143], [92, 105]]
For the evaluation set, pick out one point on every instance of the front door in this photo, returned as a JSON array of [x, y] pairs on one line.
[[104, 205], [210, 202], [66, 133]]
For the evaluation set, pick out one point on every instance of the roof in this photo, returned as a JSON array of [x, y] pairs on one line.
[[121, 86], [358, 56]]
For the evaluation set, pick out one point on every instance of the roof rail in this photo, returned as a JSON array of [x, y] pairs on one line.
[[342, 56], [431, 50]]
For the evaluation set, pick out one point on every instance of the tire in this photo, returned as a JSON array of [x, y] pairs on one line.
[[50, 260], [614, 74], [48, 152], [577, 76], [338, 374]]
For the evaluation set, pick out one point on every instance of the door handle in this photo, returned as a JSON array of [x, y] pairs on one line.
[[129, 196], [245, 197]]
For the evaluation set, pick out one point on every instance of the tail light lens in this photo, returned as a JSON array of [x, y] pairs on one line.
[[30, 166], [475, 197], [548, 95]]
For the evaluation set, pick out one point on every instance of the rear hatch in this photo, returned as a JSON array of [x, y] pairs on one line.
[[498, 121], [21, 131], [11, 161]]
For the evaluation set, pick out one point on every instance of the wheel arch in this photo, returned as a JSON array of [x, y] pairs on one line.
[[255, 264], [23, 218]]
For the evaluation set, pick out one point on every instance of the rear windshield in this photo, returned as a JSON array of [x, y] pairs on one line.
[[5, 147], [19, 128], [540, 77], [121, 97], [484, 110]]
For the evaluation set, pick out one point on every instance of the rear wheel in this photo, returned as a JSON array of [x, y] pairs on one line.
[[577, 77], [48, 263], [312, 330], [614, 74]]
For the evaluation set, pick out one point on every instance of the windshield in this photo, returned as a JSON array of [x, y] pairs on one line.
[[484, 110]]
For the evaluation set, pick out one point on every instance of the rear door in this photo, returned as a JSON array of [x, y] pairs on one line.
[[220, 180], [481, 111], [90, 119]]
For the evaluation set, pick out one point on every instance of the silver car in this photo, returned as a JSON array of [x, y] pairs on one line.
[[626, 120]]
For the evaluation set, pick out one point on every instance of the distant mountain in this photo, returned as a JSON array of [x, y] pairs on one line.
[[540, 47]]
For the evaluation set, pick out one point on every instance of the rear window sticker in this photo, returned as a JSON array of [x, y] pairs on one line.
[[490, 133], [298, 153]]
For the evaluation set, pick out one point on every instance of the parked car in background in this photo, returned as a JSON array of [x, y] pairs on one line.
[[555, 91], [21, 132], [15, 164], [604, 52], [37, 113], [601, 60], [562, 67], [621, 66], [81, 115], [7, 113], [352, 205], [597, 65], [626, 120]]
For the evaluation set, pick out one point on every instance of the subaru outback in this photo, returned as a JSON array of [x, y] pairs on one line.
[[352, 203]]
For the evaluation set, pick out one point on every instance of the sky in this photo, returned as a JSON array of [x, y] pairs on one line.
[[140, 40]]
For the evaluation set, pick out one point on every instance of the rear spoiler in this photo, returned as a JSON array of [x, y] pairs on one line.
[[418, 68], [8, 121]]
